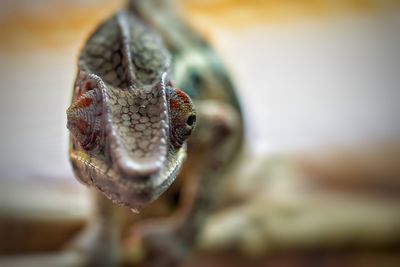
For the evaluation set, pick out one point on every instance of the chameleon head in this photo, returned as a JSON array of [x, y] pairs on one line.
[[127, 121]]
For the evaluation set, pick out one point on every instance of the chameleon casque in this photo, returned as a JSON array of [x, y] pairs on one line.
[[129, 125]]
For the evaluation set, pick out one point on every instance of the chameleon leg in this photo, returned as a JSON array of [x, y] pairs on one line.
[[210, 149], [100, 241]]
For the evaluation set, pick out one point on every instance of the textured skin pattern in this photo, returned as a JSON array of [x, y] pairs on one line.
[[85, 116], [128, 123], [125, 53], [180, 104]]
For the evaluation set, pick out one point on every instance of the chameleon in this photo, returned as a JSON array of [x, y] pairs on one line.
[[146, 82]]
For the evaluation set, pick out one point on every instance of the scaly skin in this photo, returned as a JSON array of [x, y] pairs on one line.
[[125, 87], [128, 123]]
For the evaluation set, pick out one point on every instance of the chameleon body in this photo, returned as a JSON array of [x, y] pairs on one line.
[[129, 124]]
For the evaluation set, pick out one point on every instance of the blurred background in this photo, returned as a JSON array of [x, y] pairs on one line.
[[318, 80]]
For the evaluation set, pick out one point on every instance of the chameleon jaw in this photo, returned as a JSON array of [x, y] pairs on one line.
[[131, 191]]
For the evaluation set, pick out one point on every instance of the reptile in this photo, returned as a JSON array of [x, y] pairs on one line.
[[146, 82]]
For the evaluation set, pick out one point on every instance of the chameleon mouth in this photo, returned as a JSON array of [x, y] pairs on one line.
[[128, 191]]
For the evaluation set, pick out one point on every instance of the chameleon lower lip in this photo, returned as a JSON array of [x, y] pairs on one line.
[[123, 194], [133, 192]]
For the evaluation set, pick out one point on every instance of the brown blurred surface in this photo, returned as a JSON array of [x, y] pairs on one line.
[[50, 24], [345, 257], [40, 216]]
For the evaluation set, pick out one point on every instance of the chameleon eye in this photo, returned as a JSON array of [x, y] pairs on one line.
[[191, 120], [183, 116], [84, 120]]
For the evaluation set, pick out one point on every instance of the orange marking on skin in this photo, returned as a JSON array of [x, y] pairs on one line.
[[85, 102], [184, 97], [88, 86], [174, 104], [82, 126]]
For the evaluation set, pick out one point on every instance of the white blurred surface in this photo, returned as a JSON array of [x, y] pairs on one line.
[[35, 92], [313, 84]]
